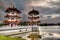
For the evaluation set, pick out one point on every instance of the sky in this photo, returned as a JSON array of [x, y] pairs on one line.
[[49, 9]]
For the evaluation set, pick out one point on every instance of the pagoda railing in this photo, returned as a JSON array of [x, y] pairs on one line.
[[33, 15]]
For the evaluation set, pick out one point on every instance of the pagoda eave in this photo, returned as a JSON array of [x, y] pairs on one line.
[[33, 12], [33, 17], [12, 16], [12, 9]]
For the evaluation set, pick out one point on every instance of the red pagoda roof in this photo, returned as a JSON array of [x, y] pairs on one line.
[[12, 9], [35, 12]]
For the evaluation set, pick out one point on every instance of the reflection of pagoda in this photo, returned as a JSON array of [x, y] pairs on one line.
[[12, 16], [33, 17]]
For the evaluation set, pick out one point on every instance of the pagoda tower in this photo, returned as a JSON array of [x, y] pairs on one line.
[[12, 16], [33, 17]]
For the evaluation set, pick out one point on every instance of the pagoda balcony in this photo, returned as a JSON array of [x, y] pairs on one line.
[[35, 20], [11, 21], [12, 16], [33, 15]]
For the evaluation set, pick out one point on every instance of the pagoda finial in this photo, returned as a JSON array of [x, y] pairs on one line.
[[33, 8], [13, 6]]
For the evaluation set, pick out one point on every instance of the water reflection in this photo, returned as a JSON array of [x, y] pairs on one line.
[[53, 31], [51, 39]]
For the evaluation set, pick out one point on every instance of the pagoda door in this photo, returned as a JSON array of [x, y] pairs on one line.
[[11, 25]]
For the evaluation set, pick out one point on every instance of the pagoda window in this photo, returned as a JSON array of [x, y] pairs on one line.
[[12, 18], [12, 12], [34, 18]]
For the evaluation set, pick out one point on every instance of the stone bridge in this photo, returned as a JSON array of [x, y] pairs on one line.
[[22, 31]]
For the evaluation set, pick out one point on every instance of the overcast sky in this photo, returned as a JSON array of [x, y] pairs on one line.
[[48, 8]]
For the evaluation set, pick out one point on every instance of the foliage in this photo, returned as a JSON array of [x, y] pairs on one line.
[[49, 24], [2, 24], [23, 24]]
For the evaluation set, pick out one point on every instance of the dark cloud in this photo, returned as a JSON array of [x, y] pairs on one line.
[[55, 3], [23, 5], [48, 10]]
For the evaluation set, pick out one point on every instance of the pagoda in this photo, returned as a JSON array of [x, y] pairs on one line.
[[12, 16], [33, 17]]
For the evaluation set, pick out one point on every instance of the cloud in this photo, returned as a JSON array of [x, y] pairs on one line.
[[44, 3], [51, 15], [43, 6], [53, 20]]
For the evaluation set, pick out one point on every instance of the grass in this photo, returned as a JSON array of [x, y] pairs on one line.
[[9, 38]]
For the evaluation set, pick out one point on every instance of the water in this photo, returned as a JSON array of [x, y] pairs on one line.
[[51, 39], [51, 29]]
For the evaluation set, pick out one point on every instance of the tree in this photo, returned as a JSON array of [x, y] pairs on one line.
[[3, 24], [23, 23]]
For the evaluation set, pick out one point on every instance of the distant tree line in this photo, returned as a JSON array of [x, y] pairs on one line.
[[50, 24], [23, 24], [3, 24]]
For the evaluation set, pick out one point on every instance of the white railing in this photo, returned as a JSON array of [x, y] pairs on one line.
[[33, 15], [34, 20], [30, 26]]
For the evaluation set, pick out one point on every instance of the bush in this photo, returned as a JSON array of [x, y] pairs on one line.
[[2, 24]]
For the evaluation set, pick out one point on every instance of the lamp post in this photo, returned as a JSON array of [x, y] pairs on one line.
[[32, 23]]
